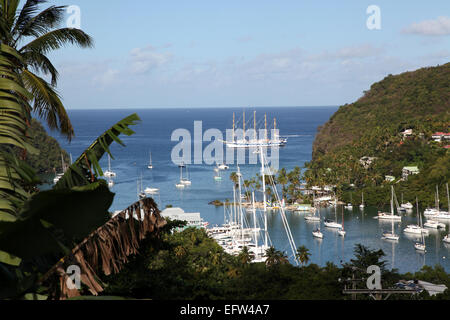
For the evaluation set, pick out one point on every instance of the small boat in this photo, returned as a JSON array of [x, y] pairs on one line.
[[390, 236], [110, 183], [349, 206], [109, 173], [317, 234], [150, 164], [342, 231], [332, 224], [223, 167], [447, 237], [150, 190], [420, 246], [434, 224], [183, 182], [58, 176], [362, 206], [312, 218], [415, 229], [391, 215], [407, 206], [217, 177]]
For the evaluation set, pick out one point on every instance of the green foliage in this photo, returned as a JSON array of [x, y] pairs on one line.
[[49, 158]]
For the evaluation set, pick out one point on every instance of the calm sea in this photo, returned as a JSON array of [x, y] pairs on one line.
[[299, 124]]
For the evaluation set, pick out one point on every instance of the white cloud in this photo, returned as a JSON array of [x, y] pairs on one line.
[[107, 77], [436, 27], [144, 60]]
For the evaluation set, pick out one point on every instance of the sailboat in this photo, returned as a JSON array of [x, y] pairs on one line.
[[58, 176], [317, 233], [186, 180], [437, 212], [447, 237], [109, 173], [416, 228], [391, 215], [420, 246], [180, 185], [342, 231], [217, 177], [330, 223], [313, 217], [391, 235], [141, 194], [361, 206], [150, 190], [150, 164], [349, 205]]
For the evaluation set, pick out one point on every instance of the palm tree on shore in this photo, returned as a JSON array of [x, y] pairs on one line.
[[275, 257], [303, 255], [245, 256], [30, 35]]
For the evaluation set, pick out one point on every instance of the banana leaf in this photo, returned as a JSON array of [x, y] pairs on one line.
[[74, 213], [86, 169]]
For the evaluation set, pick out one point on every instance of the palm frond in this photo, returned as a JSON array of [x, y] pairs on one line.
[[39, 24], [58, 38], [40, 63], [47, 103]]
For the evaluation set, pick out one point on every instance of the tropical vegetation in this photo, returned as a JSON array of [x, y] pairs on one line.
[[373, 127]]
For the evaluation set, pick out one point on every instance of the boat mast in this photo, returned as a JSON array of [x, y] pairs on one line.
[[265, 127], [233, 126], [254, 220], [437, 198], [254, 125], [234, 204], [240, 204], [243, 126], [448, 199], [264, 193]]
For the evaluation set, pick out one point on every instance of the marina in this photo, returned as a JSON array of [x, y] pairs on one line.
[[360, 225]]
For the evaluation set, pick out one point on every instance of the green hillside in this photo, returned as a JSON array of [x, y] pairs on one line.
[[373, 126], [49, 158]]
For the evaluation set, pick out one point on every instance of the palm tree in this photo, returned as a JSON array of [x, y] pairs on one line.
[[245, 256], [235, 178], [33, 34], [303, 255], [275, 257]]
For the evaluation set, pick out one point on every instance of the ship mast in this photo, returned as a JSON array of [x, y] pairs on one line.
[[233, 126], [254, 124], [265, 127]]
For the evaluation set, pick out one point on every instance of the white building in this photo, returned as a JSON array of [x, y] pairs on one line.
[[193, 219]]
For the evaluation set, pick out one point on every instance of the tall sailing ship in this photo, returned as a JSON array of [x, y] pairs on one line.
[[255, 142]]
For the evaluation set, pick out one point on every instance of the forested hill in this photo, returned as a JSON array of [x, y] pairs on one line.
[[393, 124], [418, 99], [49, 158]]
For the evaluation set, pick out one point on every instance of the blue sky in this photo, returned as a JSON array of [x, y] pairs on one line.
[[245, 53]]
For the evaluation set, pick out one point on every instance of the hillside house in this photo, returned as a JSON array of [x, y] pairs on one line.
[[407, 171]]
